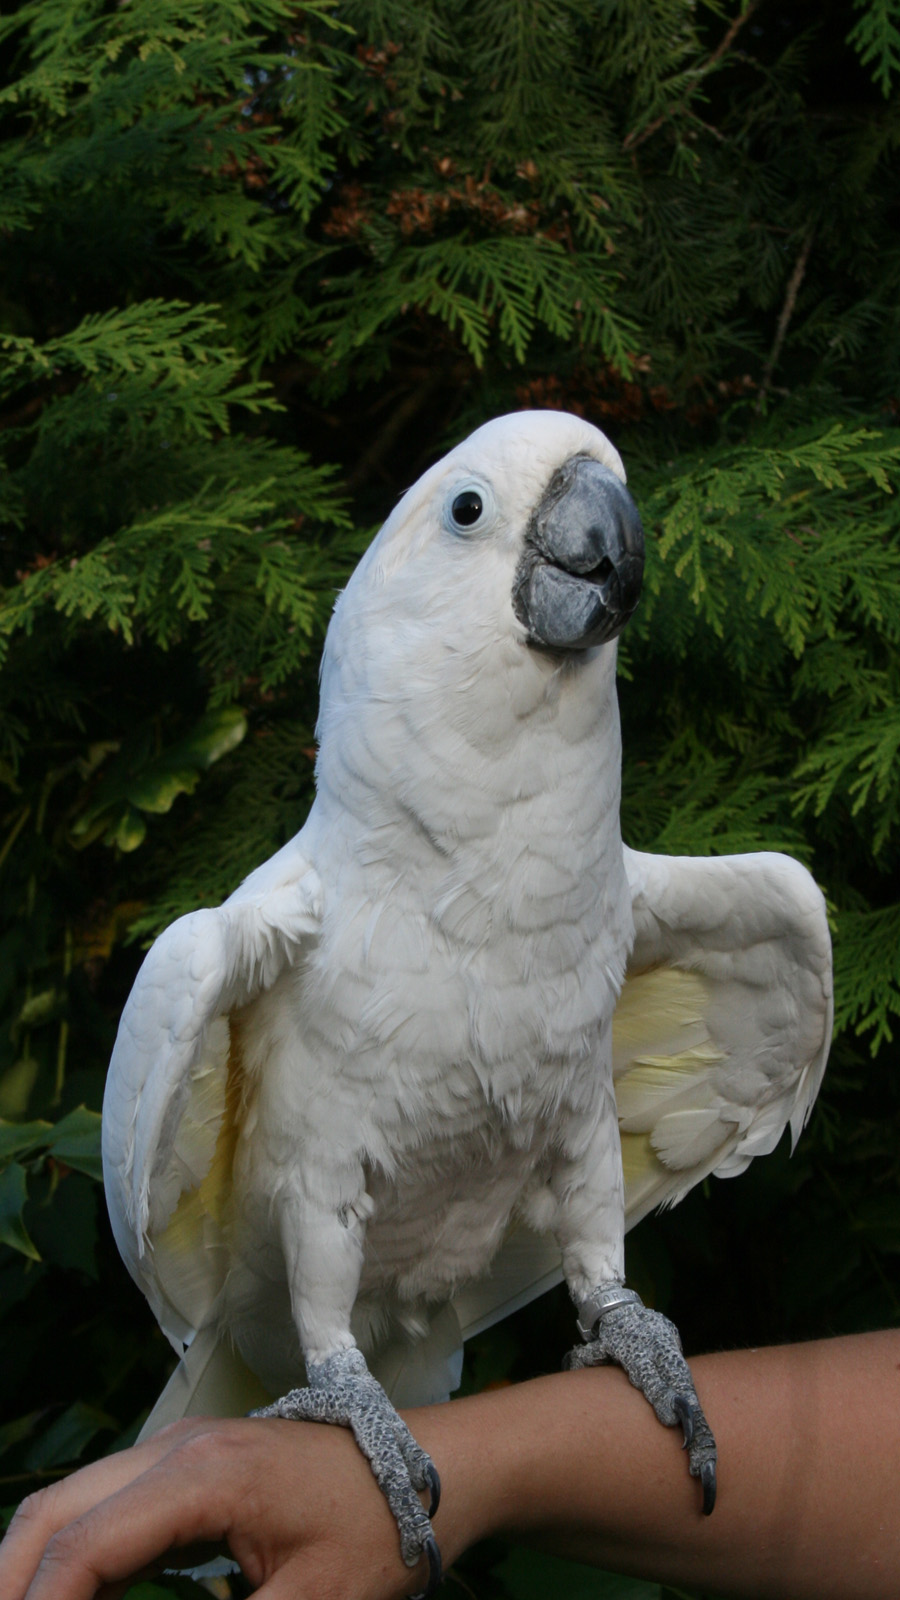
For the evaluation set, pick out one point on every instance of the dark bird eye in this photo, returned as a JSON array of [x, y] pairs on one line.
[[467, 508]]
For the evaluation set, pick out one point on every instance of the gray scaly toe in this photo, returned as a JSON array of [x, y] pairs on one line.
[[342, 1390], [617, 1326]]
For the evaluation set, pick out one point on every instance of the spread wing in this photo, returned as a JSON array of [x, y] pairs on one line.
[[170, 1107], [720, 1040], [724, 1025]]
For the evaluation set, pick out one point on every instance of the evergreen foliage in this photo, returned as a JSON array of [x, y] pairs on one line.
[[260, 263]]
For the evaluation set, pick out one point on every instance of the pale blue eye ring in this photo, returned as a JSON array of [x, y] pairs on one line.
[[469, 507]]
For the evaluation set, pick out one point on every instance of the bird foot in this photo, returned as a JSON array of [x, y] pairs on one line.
[[616, 1326], [342, 1390]]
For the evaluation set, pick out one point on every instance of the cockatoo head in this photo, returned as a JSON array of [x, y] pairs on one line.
[[489, 602], [526, 527], [471, 659]]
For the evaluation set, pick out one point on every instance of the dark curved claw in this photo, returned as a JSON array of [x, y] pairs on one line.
[[708, 1480], [647, 1345], [433, 1482], [684, 1411], [435, 1573]]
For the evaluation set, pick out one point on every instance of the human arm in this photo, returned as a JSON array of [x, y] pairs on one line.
[[809, 1481], [809, 1505]]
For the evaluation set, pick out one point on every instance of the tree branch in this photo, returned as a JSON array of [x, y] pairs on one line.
[[632, 140], [787, 311]]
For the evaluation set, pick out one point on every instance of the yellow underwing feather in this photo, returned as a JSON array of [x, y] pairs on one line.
[[643, 1172], [191, 1252], [663, 1063], [660, 1011], [215, 1190]]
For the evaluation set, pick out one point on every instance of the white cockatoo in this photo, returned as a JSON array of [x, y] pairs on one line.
[[448, 1043]]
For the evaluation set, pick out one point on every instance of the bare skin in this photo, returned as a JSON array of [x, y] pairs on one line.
[[809, 1503]]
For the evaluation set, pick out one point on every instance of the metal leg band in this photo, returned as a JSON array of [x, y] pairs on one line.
[[599, 1303]]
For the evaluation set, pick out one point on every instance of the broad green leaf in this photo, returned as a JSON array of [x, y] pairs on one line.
[[13, 1195], [16, 1085], [533, 1575], [150, 1591], [38, 1008], [129, 832], [138, 781], [64, 1229], [157, 791], [176, 1588], [76, 1141], [19, 1429], [215, 735], [20, 1278], [17, 1138], [68, 1436]]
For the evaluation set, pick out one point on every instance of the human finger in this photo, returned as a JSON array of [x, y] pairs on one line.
[[43, 1513], [118, 1517]]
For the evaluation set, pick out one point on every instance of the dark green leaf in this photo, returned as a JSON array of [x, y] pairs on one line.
[[128, 831], [68, 1436], [213, 737], [533, 1575], [76, 1141], [64, 1229], [13, 1195], [157, 792], [181, 1588], [20, 1138], [16, 1087], [20, 1429]]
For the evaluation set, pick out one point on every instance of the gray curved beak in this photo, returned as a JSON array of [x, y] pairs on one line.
[[579, 578]]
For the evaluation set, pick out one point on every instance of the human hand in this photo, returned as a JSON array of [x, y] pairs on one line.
[[294, 1503], [809, 1508]]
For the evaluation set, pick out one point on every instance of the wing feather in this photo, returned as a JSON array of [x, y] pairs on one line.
[[720, 1039], [169, 1113], [725, 1017]]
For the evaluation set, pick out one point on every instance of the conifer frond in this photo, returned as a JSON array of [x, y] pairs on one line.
[[859, 757], [75, 47], [255, 802], [755, 528], [692, 800], [166, 570], [867, 973], [513, 284], [172, 352], [876, 37]]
